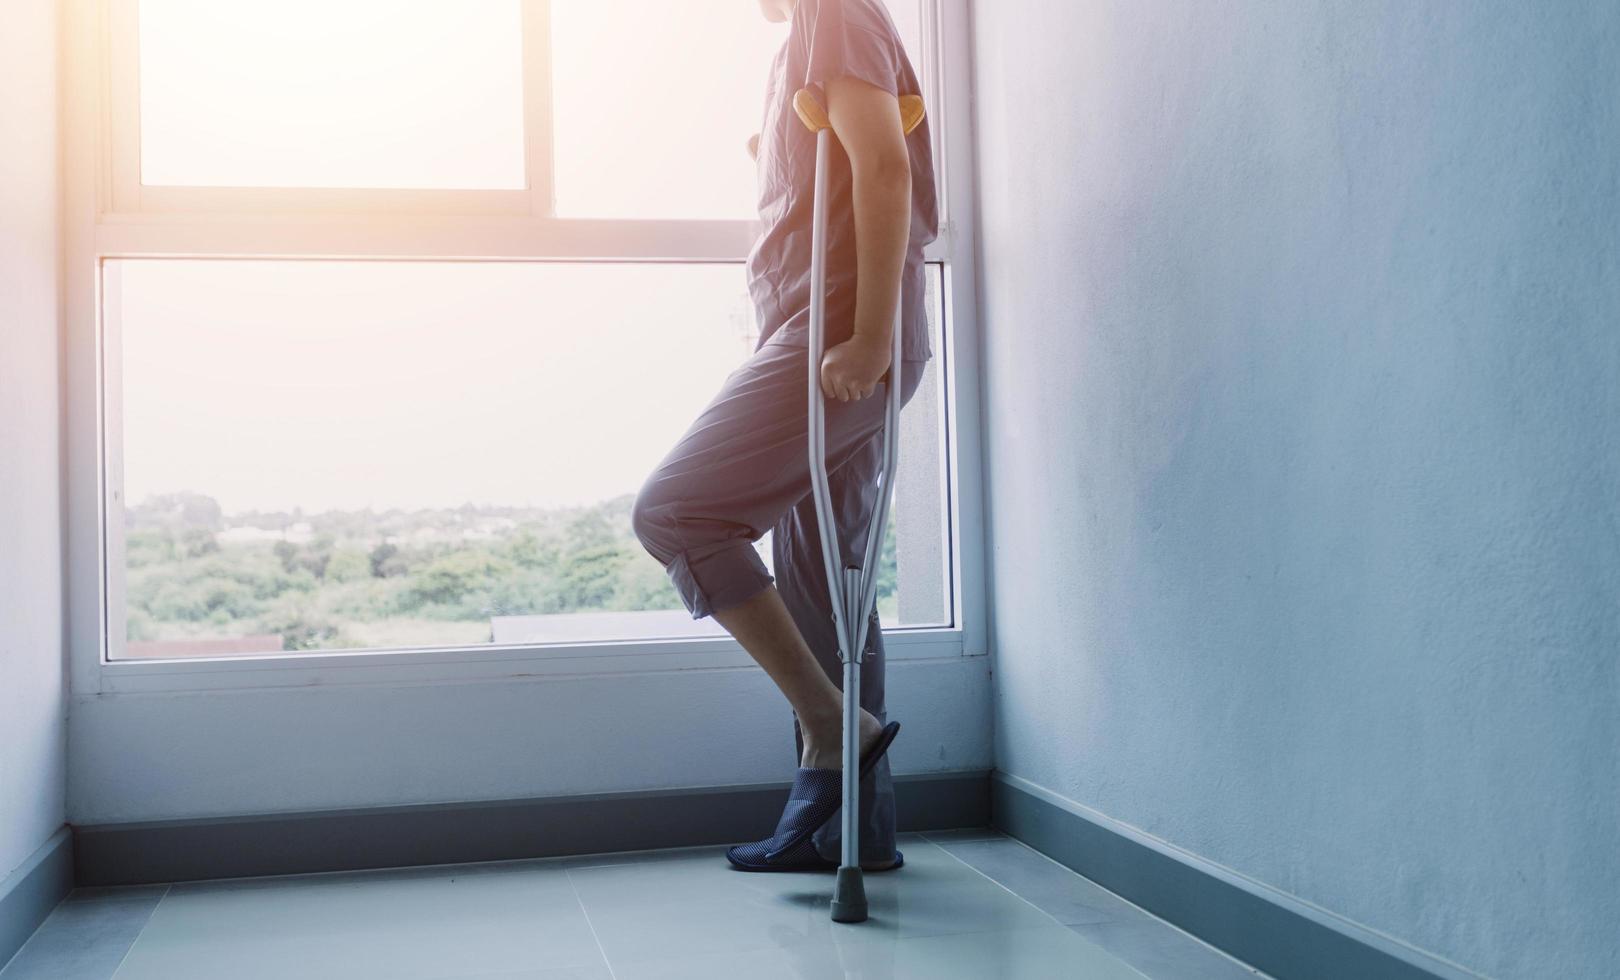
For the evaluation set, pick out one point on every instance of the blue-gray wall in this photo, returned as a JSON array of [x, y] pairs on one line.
[[1302, 345]]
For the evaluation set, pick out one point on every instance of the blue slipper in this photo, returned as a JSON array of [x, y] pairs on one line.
[[815, 797], [811, 861]]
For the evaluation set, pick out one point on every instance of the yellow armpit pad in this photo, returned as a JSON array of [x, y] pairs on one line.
[[815, 118]]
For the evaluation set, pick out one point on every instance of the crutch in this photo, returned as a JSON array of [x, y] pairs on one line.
[[852, 590]]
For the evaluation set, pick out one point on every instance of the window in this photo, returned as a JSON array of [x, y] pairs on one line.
[[650, 131], [325, 455], [654, 129], [360, 292], [309, 93]]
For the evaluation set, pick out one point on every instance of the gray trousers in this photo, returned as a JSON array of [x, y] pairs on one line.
[[740, 470]]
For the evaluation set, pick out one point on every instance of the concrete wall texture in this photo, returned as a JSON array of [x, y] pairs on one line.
[[32, 707], [1302, 344]]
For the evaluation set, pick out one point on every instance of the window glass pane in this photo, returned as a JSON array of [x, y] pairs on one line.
[[311, 93], [342, 455], [655, 100], [914, 588], [907, 15]]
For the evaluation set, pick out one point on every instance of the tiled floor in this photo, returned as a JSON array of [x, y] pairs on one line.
[[967, 904]]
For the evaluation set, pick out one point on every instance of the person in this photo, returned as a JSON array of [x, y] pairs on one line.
[[741, 469]]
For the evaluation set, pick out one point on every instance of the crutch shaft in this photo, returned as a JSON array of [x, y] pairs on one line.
[[852, 591]]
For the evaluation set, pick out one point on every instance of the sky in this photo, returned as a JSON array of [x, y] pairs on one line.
[[320, 384], [270, 384]]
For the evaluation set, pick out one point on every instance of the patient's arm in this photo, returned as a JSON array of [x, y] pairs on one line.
[[867, 122]]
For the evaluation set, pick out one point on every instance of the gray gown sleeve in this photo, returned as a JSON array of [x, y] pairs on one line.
[[846, 38]]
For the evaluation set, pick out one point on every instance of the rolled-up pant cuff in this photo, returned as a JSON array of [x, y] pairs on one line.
[[723, 577]]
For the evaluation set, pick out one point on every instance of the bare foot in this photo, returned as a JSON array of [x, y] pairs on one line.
[[823, 747]]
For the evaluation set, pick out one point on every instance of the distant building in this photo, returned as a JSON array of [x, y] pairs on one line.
[[226, 646], [248, 534]]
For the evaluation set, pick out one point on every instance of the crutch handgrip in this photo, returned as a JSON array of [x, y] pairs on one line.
[[815, 118]]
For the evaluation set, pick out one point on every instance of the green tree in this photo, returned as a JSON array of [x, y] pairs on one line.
[[524, 592], [203, 513], [589, 530], [312, 557], [388, 562], [198, 541], [451, 578], [530, 546], [176, 511], [302, 627], [643, 584], [588, 579], [888, 582], [148, 546], [348, 565]]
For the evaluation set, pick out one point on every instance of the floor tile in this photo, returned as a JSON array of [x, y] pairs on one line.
[[964, 834], [613, 858], [965, 905], [1066, 896], [1162, 952], [621, 858], [123, 893], [413, 925], [1151, 945], [1043, 953], [699, 906], [598, 971], [87, 936]]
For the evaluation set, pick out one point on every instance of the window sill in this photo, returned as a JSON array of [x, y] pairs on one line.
[[464, 664]]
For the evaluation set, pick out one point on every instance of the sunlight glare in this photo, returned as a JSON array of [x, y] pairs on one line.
[[311, 93]]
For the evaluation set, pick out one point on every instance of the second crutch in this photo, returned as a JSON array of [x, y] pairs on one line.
[[853, 590]]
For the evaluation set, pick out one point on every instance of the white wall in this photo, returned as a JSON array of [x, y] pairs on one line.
[[220, 753], [1303, 411], [32, 727]]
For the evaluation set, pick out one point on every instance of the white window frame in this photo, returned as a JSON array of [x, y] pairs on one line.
[[108, 214]]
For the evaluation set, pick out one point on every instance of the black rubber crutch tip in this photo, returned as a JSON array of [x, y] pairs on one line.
[[849, 896]]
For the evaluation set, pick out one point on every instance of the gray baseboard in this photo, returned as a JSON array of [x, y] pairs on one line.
[[1261, 926], [389, 837], [29, 894]]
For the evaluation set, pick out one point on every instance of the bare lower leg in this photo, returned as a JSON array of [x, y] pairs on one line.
[[766, 630]]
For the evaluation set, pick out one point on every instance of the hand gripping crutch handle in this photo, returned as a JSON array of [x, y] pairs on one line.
[[852, 591]]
